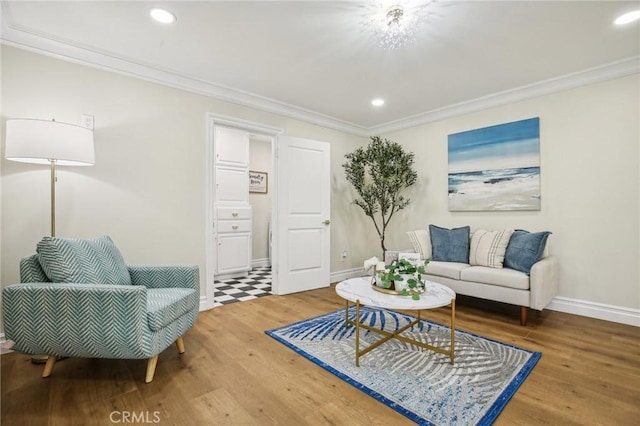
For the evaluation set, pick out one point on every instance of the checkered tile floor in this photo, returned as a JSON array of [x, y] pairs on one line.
[[256, 284]]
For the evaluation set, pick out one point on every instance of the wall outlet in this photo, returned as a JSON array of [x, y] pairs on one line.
[[86, 121], [344, 255]]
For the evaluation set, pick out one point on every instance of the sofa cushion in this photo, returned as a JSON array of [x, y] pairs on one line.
[[487, 248], [91, 261], [421, 242], [524, 249], [165, 305], [449, 245], [445, 269], [504, 277]]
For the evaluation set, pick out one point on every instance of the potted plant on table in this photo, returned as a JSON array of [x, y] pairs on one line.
[[404, 277]]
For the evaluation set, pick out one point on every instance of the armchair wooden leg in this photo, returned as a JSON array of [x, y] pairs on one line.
[[523, 315], [180, 345], [151, 368], [48, 367]]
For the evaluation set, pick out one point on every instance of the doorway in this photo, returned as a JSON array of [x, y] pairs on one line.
[[257, 281], [260, 202], [300, 206]]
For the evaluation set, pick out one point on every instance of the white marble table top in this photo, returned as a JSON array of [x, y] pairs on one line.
[[354, 289]]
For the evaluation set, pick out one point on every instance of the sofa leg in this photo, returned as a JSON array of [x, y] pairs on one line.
[[180, 345], [48, 367], [151, 368], [523, 315]]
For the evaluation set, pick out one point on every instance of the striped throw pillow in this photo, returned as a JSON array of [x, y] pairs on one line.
[[421, 242], [488, 248], [87, 261]]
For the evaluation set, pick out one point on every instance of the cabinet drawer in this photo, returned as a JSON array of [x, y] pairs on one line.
[[234, 213], [234, 226]]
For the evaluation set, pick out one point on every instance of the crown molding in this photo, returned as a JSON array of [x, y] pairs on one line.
[[605, 72], [28, 39]]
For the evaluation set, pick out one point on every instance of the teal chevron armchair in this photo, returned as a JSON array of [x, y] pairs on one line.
[[77, 298]]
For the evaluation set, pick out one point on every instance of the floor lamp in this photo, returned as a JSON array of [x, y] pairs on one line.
[[52, 143]]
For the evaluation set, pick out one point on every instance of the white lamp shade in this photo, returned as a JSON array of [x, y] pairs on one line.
[[40, 141]]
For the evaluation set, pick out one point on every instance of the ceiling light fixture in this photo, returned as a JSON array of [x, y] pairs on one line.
[[162, 15], [396, 25], [377, 102], [628, 17]]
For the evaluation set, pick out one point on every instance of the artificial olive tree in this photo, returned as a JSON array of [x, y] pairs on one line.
[[380, 173]]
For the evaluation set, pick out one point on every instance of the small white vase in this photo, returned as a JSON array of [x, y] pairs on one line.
[[401, 285], [377, 278], [378, 281]]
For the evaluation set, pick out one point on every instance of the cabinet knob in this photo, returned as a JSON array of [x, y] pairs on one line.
[[234, 227], [234, 214], [326, 222]]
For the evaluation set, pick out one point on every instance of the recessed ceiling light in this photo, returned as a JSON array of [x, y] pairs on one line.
[[162, 15], [628, 18], [377, 102]]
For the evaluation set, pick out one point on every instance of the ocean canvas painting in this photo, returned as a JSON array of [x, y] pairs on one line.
[[495, 168]]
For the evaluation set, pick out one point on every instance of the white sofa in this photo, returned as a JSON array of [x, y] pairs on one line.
[[498, 284]]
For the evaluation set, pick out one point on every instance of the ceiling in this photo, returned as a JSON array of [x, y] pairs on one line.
[[319, 60]]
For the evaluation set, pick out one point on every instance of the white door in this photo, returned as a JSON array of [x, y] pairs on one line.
[[302, 238]]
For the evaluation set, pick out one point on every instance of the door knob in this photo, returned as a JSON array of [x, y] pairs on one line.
[[326, 222]]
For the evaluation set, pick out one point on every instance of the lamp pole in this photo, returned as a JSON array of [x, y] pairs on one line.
[[52, 161]]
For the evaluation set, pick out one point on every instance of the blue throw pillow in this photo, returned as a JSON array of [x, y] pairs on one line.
[[449, 245], [524, 249]]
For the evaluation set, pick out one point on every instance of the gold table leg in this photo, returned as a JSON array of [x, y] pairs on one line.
[[357, 333], [453, 329], [346, 314], [396, 334]]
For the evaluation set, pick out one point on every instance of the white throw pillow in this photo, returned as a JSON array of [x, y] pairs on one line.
[[421, 242], [488, 248]]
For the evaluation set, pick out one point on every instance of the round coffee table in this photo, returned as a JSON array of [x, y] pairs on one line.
[[361, 292]]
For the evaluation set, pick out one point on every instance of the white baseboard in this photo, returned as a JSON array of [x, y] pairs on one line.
[[596, 310], [257, 263], [205, 304], [346, 274]]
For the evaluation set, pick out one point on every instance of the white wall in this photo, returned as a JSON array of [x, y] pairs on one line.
[[260, 160], [589, 141], [147, 188]]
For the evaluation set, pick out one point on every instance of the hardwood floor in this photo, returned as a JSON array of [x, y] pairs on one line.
[[233, 374]]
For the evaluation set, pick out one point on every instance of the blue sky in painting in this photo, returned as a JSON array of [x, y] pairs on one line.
[[509, 145]]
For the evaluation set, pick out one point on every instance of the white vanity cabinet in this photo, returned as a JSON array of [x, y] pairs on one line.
[[233, 211], [234, 239]]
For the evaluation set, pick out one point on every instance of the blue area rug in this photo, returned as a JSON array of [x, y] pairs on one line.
[[420, 384]]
